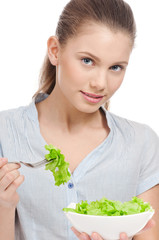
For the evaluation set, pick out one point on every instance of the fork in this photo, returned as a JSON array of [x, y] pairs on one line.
[[34, 165]]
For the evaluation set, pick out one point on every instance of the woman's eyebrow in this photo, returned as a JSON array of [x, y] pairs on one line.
[[91, 55], [97, 59], [122, 62]]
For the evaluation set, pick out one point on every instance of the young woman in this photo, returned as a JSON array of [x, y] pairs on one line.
[[108, 155]]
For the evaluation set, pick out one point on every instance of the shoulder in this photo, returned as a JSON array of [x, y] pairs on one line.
[[124, 123], [15, 116], [12, 113], [130, 128]]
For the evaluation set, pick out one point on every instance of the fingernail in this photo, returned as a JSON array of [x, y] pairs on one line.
[[122, 238]]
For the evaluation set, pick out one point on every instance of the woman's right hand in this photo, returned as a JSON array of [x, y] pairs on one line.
[[10, 180]]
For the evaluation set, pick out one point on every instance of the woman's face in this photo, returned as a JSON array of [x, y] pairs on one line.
[[91, 67]]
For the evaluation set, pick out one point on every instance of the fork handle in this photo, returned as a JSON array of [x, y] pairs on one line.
[[15, 162]]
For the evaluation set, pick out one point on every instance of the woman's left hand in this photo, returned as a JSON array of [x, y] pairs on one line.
[[123, 236]]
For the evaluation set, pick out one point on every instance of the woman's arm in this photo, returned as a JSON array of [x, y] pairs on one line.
[[7, 222], [10, 180], [152, 196]]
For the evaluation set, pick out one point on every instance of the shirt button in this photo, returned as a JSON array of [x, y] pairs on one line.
[[70, 185]]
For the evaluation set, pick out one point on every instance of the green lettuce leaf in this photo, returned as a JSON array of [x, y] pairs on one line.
[[58, 166], [105, 207]]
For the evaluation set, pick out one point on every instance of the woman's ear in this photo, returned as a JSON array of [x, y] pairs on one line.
[[53, 49]]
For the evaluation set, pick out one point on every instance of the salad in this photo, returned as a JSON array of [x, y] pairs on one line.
[[105, 207], [58, 166]]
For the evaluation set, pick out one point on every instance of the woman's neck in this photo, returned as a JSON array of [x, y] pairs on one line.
[[64, 115]]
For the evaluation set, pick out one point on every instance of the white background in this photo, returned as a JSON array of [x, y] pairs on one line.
[[24, 29]]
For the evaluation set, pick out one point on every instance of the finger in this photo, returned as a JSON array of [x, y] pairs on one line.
[[8, 178], [7, 168], [13, 187], [13, 165], [9, 197], [95, 236], [81, 236], [123, 236], [151, 223], [3, 161], [75, 232]]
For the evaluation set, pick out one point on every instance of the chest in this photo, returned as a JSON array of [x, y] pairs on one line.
[[75, 147]]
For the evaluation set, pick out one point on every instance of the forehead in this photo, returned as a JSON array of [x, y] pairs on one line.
[[101, 41]]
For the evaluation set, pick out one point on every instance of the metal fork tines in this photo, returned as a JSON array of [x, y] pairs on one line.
[[33, 165]]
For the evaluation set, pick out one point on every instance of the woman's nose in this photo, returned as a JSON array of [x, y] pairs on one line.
[[99, 81]]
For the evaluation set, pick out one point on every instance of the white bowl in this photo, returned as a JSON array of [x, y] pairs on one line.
[[109, 227]]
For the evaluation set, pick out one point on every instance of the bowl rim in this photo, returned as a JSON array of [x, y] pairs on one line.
[[105, 216]]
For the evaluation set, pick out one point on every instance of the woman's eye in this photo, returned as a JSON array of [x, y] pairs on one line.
[[87, 61], [116, 68]]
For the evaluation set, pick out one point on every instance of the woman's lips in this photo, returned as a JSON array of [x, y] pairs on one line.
[[91, 97]]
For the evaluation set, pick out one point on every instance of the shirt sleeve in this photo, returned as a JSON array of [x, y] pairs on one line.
[[149, 173]]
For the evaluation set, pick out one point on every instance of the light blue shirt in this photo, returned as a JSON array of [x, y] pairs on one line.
[[124, 165]]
